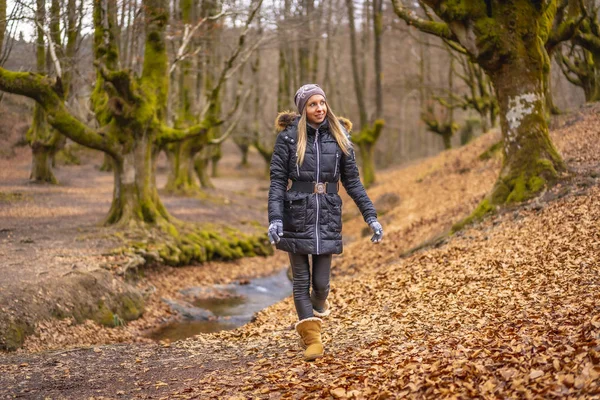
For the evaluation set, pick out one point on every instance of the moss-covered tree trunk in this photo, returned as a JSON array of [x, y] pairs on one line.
[[132, 110], [366, 140], [135, 198], [507, 39], [41, 137], [182, 176], [530, 159], [367, 153], [593, 94], [41, 164]]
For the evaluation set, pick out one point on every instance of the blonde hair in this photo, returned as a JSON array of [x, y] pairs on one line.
[[335, 128]]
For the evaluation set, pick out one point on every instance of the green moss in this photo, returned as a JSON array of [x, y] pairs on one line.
[[104, 316], [484, 208], [11, 197], [492, 151], [68, 156], [536, 184], [519, 190], [14, 336], [456, 10], [131, 307]]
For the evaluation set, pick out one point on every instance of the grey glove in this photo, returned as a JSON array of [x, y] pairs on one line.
[[377, 230], [275, 231]]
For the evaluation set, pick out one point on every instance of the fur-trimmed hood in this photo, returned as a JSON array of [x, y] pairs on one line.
[[287, 118]]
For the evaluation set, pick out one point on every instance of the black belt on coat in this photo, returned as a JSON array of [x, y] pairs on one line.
[[312, 187]]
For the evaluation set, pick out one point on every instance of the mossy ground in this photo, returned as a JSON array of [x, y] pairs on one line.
[[178, 244]]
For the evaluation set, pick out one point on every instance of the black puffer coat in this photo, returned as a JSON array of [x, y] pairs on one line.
[[312, 223]]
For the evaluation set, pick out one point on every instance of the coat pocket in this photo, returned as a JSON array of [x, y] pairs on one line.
[[294, 215], [334, 208]]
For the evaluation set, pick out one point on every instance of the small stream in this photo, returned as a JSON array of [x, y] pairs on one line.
[[222, 307]]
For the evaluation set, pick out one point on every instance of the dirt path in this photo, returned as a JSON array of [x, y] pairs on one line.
[[46, 231]]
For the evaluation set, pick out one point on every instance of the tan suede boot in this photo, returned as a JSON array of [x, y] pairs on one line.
[[310, 332]]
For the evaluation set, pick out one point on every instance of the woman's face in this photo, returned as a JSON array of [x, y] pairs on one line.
[[316, 109]]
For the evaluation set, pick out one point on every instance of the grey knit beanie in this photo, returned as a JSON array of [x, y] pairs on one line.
[[305, 93]]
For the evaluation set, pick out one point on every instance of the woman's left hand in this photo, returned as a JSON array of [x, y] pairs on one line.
[[377, 231]]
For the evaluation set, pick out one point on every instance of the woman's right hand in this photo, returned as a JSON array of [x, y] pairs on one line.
[[275, 231]]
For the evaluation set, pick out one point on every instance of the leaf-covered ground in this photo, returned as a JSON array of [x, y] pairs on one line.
[[508, 308]]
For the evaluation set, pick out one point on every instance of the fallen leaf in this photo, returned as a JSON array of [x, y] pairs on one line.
[[535, 373], [338, 393]]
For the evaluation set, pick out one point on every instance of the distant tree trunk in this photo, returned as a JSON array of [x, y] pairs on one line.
[[217, 154], [182, 177], [41, 164], [368, 135], [328, 49], [378, 29], [266, 154], [42, 138], [2, 23], [107, 164], [284, 67], [201, 163], [304, 44], [180, 154], [365, 44], [244, 147]]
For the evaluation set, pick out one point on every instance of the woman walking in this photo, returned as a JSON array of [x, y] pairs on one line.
[[312, 154]]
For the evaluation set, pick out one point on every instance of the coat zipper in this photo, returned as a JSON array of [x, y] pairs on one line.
[[317, 194], [297, 167], [337, 156]]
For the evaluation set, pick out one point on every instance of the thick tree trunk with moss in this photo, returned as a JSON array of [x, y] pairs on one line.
[[41, 137], [507, 40], [135, 198], [530, 159], [41, 164]]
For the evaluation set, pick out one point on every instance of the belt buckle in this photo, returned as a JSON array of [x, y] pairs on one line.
[[320, 188]]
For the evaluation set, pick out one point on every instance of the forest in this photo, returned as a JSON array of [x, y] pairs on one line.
[[136, 150]]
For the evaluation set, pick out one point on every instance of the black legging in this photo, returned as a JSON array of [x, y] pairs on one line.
[[303, 299]]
